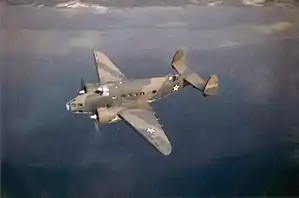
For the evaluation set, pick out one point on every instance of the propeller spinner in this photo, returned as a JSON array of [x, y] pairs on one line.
[[93, 116]]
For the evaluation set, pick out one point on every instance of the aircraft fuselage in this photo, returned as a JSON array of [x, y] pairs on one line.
[[121, 93]]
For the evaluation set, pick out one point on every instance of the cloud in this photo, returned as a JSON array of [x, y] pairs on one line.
[[254, 2], [50, 41], [87, 40], [173, 24], [215, 3], [77, 4], [228, 44], [276, 27]]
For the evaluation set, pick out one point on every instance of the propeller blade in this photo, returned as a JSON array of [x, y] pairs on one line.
[[94, 117], [82, 83], [82, 87], [96, 126]]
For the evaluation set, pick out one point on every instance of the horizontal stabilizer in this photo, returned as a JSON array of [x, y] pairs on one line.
[[212, 86]]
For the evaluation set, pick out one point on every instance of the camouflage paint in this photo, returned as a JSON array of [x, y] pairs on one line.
[[128, 100]]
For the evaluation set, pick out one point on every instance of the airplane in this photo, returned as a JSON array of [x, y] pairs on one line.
[[115, 97]]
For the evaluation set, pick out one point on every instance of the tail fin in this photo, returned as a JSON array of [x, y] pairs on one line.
[[208, 88]]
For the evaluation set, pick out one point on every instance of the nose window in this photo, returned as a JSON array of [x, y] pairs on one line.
[[74, 104]]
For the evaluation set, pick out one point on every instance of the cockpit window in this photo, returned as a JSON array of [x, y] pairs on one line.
[[99, 90], [102, 90]]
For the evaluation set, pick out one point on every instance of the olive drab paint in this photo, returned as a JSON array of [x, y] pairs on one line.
[[114, 97]]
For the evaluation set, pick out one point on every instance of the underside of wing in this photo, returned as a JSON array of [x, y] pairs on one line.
[[106, 69], [146, 124]]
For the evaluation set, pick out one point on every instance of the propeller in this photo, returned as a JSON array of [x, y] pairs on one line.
[[96, 126], [83, 89], [95, 118]]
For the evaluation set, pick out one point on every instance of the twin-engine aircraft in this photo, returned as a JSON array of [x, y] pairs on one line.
[[115, 97]]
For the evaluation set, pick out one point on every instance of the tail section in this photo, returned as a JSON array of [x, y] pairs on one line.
[[208, 88]]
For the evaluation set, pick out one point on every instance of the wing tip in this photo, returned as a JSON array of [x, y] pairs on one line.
[[166, 149], [97, 53]]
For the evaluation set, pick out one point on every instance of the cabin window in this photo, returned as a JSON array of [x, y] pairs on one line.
[[175, 78], [154, 91]]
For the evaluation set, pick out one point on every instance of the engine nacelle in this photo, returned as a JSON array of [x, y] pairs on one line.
[[106, 115]]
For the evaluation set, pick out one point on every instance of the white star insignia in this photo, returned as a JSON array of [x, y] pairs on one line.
[[176, 87], [151, 130]]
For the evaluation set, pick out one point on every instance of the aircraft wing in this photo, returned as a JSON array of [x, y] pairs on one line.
[[146, 124], [106, 69]]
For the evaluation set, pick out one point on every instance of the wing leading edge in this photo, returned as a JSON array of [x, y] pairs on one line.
[[146, 124], [106, 69]]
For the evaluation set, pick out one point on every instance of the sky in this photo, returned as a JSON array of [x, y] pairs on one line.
[[235, 144]]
